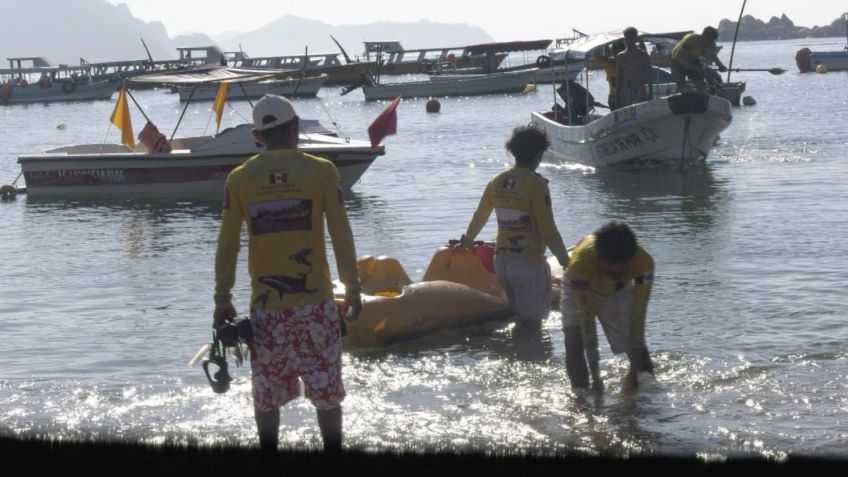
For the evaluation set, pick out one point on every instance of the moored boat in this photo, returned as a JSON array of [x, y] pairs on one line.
[[461, 85], [37, 80], [306, 87], [677, 129]]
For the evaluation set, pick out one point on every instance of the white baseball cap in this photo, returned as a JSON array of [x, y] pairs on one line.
[[272, 110]]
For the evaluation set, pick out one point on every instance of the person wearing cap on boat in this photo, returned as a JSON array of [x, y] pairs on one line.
[[686, 58], [285, 196], [610, 277], [522, 203], [632, 72]]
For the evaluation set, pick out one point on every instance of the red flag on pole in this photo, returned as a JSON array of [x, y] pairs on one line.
[[384, 124]]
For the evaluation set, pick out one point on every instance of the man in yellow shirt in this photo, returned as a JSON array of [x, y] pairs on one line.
[[609, 277], [686, 58], [522, 203], [285, 196]]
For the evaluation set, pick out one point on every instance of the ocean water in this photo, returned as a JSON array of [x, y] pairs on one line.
[[103, 302]]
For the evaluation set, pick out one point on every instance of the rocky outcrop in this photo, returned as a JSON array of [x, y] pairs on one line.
[[782, 28]]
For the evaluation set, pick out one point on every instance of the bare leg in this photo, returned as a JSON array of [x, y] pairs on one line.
[[330, 423], [268, 426], [575, 358]]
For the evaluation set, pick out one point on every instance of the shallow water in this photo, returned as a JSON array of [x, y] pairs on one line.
[[104, 302]]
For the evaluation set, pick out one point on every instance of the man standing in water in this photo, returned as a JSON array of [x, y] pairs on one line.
[[284, 196], [633, 72], [686, 58], [522, 203], [610, 277]]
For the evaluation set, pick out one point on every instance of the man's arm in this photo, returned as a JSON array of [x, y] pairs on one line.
[[481, 216], [341, 235], [544, 217], [226, 256]]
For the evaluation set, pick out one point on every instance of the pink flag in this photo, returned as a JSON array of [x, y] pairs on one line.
[[384, 124]]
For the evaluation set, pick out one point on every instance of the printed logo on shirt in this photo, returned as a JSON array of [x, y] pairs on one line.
[[278, 177], [511, 220], [509, 183], [281, 216]]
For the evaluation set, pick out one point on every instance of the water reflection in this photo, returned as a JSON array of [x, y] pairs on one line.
[[693, 197]]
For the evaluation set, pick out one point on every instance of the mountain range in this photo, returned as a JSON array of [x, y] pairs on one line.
[[100, 31]]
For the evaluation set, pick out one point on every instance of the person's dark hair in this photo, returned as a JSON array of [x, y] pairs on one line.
[[630, 31], [710, 33], [615, 242], [527, 142]]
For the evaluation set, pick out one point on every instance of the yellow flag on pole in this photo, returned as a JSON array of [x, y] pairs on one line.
[[220, 99], [121, 119]]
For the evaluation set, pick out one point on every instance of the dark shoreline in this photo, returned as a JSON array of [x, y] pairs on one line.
[[37, 454]]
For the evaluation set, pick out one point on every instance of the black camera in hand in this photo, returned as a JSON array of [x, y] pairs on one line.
[[234, 332]]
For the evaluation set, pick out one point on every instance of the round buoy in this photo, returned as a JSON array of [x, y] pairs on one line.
[[8, 192], [433, 106], [749, 101], [821, 68]]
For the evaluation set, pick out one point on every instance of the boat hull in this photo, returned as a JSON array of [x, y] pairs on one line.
[[731, 91], [114, 170], [59, 92], [461, 85], [676, 129], [833, 60]]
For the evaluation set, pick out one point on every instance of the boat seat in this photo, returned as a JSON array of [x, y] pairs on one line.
[[381, 275]]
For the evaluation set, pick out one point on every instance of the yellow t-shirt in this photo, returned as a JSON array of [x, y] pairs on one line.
[[284, 196], [586, 278], [522, 204], [691, 47]]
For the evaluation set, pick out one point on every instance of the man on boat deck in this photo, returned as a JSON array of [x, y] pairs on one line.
[[284, 196], [632, 72], [686, 58], [521, 201], [610, 277]]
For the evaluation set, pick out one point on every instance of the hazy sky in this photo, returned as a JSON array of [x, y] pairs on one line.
[[504, 20]]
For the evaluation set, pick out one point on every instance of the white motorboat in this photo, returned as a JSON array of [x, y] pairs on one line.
[[677, 129], [460, 85], [37, 80], [196, 166], [291, 87], [823, 61], [180, 167]]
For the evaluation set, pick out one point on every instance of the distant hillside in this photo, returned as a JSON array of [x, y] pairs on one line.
[[66, 30], [290, 34], [781, 28]]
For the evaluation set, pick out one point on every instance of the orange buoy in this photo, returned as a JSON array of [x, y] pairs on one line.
[[433, 106]]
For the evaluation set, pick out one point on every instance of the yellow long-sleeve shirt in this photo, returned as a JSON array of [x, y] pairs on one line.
[[691, 47], [522, 203], [284, 196], [586, 278]]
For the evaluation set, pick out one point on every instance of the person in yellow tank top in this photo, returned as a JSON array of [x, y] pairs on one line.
[[285, 196], [686, 58], [610, 277], [522, 203]]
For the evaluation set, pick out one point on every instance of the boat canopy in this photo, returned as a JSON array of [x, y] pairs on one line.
[[199, 76], [508, 47], [580, 47]]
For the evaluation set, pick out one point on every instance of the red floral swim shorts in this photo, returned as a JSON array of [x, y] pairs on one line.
[[296, 343]]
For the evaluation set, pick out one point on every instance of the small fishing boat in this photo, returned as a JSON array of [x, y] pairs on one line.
[[823, 61], [393, 59], [677, 129], [460, 85], [38, 80], [176, 167]]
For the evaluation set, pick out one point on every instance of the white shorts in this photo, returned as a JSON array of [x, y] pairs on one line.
[[527, 284], [613, 311]]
